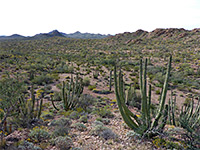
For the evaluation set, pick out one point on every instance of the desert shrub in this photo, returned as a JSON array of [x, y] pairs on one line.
[[85, 101], [43, 79], [38, 134], [101, 91], [105, 121], [132, 135], [91, 87], [86, 81], [104, 132], [47, 115], [63, 143], [60, 131], [133, 98], [61, 122], [74, 115], [63, 68], [154, 69], [57, 96], [108, 134], [177, 78], [10, 90], [61, 127], [136, 68], [96, 74], [187, 102], [165, 144], [83, 119], [79, 126], [160, 77], [25, 145], [157, 92], [105, 112]]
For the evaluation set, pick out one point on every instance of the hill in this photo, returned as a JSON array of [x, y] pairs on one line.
[[14, 36]]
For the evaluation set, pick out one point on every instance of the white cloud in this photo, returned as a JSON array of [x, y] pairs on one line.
[[28, 17]]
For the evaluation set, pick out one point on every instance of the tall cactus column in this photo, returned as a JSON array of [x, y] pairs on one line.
[[163, 95]]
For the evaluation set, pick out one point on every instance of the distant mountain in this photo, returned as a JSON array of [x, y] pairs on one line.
[[11, 37], [126, 37], [55, 33], [79, 35]]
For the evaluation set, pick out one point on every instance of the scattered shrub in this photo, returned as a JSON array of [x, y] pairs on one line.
[[61, 122], [104, 132], [105, 121], [39, 134], [79, 126], [43, 79], [86, 81], [83, 119], [105, 112], [91, 87], [61, 131], [85, 101], [25, 145], [63, 143]]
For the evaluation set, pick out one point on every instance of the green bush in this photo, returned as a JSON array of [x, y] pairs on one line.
[[43, 79], [10, 90], [86, 101], [61, 131], [86, 81], [104, 132], [61, 122], [105, 112], [39, 134], [79, 126], [63, 143], [91, 87], [83, 119], [25, 145]]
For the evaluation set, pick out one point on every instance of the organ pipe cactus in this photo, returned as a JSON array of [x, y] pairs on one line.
[[28, 111], [70, 93], [110, 81], [190, 116], [144, 122], [171, 110]]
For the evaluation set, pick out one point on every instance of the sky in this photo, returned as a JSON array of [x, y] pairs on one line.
[[30, 17]]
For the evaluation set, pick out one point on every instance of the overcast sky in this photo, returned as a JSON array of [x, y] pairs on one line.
[[29, 17]]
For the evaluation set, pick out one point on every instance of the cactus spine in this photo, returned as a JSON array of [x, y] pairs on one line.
[[141, 124]]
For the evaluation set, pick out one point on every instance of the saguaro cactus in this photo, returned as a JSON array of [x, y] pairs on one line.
[[145, 122]]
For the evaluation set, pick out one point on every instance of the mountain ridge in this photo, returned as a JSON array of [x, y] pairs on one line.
[[164, 33], [55, 33]]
